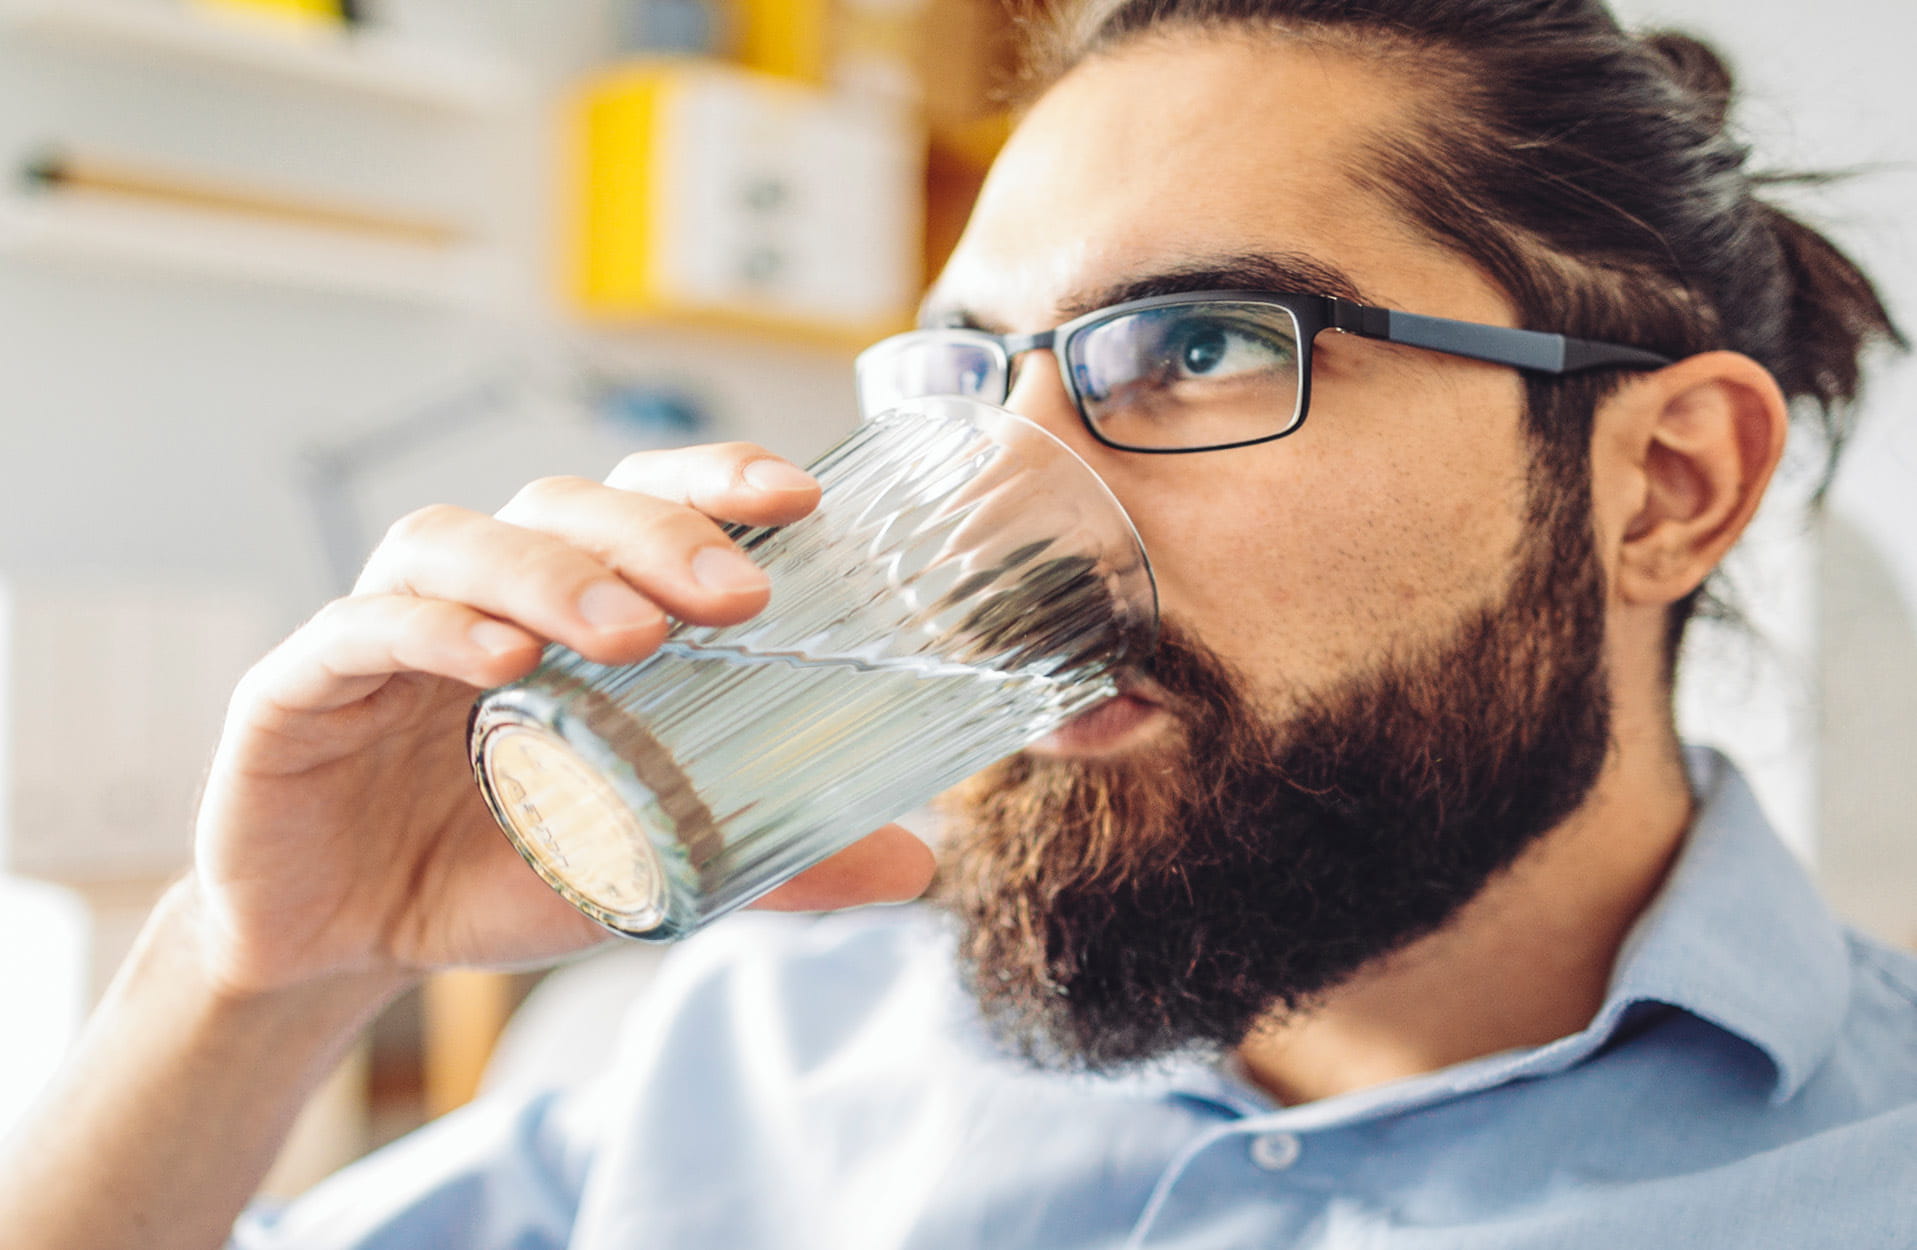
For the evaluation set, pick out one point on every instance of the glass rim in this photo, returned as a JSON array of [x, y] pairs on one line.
[[968, 409]]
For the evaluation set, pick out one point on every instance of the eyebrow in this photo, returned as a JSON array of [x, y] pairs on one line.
[[1242, 271]]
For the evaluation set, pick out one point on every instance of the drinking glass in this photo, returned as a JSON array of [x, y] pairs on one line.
[[966, 585]]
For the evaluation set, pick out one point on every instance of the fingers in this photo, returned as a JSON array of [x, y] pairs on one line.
[[458, 594], [889, 866], [535, 581], [353, 645], [598, 567], [727, 481], [680, 559]]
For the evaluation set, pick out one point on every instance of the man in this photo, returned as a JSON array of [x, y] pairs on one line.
[[1383, 910]]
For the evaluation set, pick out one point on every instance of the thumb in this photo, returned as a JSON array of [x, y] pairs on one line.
[[889, 866]]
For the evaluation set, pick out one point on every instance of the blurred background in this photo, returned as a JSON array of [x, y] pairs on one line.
[[275, 272]]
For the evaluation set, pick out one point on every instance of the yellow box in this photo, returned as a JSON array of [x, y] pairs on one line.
[[300, 11], [620, 180], [791, 38], [714, 195]]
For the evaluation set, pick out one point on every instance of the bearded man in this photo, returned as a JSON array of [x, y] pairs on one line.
[[1383, 909]]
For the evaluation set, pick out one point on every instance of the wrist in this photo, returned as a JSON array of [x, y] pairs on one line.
[[187, 945]]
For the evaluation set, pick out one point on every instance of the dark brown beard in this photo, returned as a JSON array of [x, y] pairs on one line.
[[1114, 912]]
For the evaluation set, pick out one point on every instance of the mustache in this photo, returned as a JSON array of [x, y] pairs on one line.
[[1190, 681], [1093, 825]]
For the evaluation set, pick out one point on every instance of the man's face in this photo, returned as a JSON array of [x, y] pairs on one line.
[[1383, 677], [1400, 503]]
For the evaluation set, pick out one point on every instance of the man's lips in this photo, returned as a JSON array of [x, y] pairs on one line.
[[1109, 725]]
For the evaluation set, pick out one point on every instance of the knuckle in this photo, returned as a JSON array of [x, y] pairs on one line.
[[423, 524], [330, 618], [739, 453], [413, 627], [248, 690], [416, 619], [734, 457], [655, 472], [541, 494], [342, 624], [685, 473], [546, 570], [674, 528], [634, 466]]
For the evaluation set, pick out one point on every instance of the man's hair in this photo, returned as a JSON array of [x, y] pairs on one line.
[[1589, 174]]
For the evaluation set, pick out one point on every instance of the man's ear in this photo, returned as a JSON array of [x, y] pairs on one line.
[[1697, 442]]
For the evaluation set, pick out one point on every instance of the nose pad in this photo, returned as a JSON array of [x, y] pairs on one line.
[[1038, 394]]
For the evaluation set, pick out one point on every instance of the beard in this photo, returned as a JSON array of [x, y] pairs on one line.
[[1113, 912]]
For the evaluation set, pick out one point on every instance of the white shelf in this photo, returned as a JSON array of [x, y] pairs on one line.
[[364, 62], [103, 233]]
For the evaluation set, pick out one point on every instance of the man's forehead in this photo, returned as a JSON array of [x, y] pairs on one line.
[[1143, 172]]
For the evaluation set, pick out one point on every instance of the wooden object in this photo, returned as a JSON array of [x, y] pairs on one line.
[[465, 1012], [67, 173], [955, 167]]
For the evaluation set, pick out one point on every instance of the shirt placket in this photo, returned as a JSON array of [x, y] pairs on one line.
[[1248, 1168]]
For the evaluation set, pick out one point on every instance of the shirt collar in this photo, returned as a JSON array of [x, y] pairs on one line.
[[1739, 937]]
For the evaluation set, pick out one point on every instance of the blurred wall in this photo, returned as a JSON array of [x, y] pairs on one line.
[[153, 423]]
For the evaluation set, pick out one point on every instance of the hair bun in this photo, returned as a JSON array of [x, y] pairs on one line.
[[1697, 68]]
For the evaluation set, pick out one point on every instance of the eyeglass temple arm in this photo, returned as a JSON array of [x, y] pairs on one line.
[[1499, 345]]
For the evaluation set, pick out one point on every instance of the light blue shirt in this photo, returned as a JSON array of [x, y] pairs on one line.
[[1751, 1081]]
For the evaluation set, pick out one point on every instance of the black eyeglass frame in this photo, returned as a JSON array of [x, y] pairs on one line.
[[1533, 351]]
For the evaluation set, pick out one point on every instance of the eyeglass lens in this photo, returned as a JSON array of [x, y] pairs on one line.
[[1189, 375], [913, 366]]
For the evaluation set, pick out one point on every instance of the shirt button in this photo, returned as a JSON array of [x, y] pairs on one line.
[[1275, 1152]]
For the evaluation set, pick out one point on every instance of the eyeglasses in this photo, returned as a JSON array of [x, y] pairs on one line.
[[1202, 371]]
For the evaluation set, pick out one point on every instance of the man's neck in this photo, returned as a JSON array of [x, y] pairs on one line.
[[1526, 962]]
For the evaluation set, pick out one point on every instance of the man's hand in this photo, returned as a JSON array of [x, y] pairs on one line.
[[341, 830]]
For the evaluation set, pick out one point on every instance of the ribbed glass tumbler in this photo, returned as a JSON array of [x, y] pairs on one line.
[[966, 585]]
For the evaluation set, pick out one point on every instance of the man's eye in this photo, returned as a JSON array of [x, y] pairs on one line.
[[1215, 349]]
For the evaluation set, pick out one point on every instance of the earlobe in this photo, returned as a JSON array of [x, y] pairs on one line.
[[1709, 432]]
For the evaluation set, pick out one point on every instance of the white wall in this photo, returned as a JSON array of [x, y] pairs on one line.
[[1821, 709]]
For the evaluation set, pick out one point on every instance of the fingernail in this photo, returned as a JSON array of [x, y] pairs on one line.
[[724, 569], [496, 638], [777, 475], [615, 605]]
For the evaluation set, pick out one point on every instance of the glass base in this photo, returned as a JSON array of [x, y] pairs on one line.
[[567, 821]]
